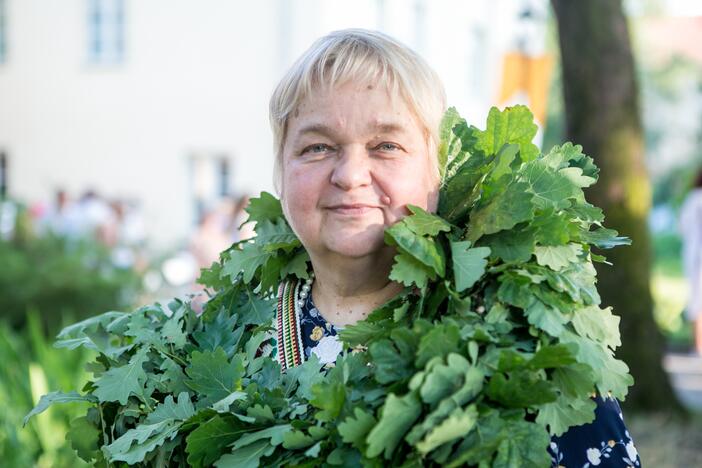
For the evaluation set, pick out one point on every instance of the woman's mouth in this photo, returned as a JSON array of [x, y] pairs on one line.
[[354, 209]]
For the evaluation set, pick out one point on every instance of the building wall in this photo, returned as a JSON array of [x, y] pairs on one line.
[[195, 81]]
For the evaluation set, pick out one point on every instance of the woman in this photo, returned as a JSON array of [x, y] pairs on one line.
[[355, 124], [691, 231]]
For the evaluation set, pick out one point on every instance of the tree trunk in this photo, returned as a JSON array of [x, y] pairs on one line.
[[602, 115]]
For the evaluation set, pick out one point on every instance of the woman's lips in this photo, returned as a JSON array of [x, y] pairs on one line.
[[351, 210]]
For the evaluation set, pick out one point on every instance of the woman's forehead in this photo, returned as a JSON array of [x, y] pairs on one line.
[[366, 106]]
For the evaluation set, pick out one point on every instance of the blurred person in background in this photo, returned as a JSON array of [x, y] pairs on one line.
[[212, 234], [240, 231], [94, 217], [691, 232], [126, 235], [60, 218]]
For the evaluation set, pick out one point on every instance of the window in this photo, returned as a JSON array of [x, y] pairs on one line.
[[3, 32], [105, 31]]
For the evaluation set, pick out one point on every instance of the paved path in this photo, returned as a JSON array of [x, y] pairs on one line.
[[686, 376]]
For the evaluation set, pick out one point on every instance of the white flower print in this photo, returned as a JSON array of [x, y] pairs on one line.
[[593, 456], [631, 450], [328, 349]]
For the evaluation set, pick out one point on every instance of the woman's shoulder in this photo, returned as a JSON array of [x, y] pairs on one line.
[[603, 442]]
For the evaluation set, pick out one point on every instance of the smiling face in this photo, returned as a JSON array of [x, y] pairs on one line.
[[353, 158]]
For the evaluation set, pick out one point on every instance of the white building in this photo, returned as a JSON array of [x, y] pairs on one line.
[[165, 101]]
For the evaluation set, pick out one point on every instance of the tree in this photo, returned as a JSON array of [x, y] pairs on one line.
[[602, 114]]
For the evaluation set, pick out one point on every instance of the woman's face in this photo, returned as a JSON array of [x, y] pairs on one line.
[[353, 158]]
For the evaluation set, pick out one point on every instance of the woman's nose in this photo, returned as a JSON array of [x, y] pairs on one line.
[[352, 168]]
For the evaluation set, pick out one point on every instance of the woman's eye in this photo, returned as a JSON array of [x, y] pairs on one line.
[[317, 148], [387, 147]]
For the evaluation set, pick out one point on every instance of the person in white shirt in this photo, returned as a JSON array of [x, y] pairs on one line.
[[690, 225]]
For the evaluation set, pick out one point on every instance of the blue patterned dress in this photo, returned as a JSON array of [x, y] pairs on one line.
[[605, 442]]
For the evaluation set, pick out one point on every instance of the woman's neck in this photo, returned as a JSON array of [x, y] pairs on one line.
[[347, 291]]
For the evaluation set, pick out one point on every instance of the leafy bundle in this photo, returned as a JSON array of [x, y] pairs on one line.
[[497, 340]]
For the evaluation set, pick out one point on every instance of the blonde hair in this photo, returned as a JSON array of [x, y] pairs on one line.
[[363, 56]]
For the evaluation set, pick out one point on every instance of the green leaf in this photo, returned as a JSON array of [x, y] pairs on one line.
[[118, 383], [92, 333], [220, 332], [222, 406], [303, 377], [172, 332], [423, 223], [546, 318], [467, 178], [468, 264], [598, 324], [604, 238], [246, 457], [273, 434], [362, 333], [136, 443], [212, 277], [57, 397], [550, 188], [255, 309], [355, 428], [266, 207], [440, 341], [397, 416], [511, 246], [274, 235], [504, 211], [84, 438], [169, 409], [525, 447], [208, 441], [443, 380], [566, 412], [557, 257], [293, 440], [611, 375], [393, 357], [457, 425], [248, 260], [575, 380], [514, 125], [329, 399], [448, 143], [521, 390], [502, 162], [213, 376], [426, 250], [552, 356], [409, 271], [263, 414], [297, 266]]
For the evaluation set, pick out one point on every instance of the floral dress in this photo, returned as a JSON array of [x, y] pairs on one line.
[[605, 442]]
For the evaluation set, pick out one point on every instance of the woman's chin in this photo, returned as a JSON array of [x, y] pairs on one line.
[[356, 246]]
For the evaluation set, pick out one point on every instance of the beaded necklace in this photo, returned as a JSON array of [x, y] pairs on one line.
[[291, 298]]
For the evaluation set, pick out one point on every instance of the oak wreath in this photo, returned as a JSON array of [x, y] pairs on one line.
[[497, 342]]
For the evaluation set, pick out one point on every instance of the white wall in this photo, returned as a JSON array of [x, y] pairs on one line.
[[197, 78]]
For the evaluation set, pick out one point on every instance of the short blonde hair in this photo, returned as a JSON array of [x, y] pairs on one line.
[[363, 56]]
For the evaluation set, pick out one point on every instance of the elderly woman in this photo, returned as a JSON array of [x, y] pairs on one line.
[[355, 124]]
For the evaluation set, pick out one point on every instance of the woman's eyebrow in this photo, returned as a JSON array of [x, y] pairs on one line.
[[323, 129], [388, 127]]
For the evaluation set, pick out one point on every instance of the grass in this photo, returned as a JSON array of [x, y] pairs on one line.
[[665, 442]]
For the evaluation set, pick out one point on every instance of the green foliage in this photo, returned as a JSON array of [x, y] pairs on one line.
[[496, 342], [31, 367], [60, 278]]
